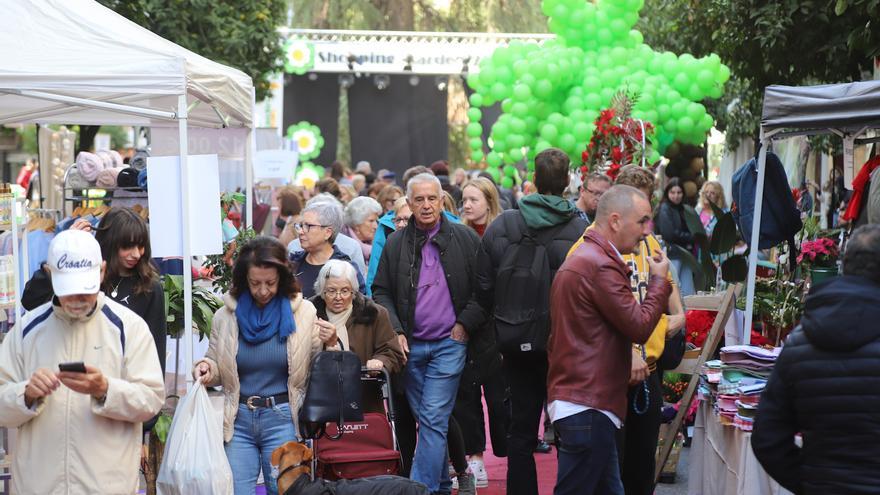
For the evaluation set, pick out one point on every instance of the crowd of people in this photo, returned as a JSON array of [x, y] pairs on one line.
[[531, 301]]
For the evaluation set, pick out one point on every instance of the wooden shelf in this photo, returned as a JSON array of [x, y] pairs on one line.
[[708, 302]]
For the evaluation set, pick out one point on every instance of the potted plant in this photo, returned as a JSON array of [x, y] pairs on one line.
[[819, 256], [779, 305]]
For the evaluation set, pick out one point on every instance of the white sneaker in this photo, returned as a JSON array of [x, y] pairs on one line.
[[479, 470]]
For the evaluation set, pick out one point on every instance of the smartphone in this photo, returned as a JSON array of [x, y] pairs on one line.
[[78, 367]]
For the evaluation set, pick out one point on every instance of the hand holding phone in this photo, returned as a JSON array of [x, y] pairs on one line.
[[73, 367]]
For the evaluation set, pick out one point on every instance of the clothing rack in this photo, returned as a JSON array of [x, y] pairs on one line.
[[70, 197]]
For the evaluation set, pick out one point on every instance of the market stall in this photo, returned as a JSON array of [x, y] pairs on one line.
[[77, 62], [847, 110]]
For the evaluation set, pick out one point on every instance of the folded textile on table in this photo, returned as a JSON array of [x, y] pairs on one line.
[[75, 180], [128, 178], [139, 160], [111, 158]]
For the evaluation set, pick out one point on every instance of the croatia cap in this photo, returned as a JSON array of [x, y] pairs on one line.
[[75, 263]]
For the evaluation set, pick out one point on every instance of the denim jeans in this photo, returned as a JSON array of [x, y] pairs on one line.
[[432, 375], [257, 433], [587, 455]]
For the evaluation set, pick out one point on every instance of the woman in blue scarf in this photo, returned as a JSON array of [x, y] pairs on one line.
[[261, 346]]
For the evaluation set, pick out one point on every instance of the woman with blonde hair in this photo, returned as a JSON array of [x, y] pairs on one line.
[[712, 192], [480, 204]]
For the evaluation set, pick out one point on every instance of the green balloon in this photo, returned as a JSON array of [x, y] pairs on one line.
[[509, 171], [685, 125], [500, 130], [723, 74], [518, 126], [706, 122], [476, 100], [476, 143], [476, 155], [522, 92], [495, 172], [515, 141], [506, 105], [493, 159], [474, 129], [507, 182], [549, 132], [498, 91], [474, 114], [520, 110], [567, 142], [515, 155], [542, 145], [695, 111], [543, 88], [582, 130]]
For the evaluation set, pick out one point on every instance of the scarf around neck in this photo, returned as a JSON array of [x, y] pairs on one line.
[[339, 320], [256, 325]]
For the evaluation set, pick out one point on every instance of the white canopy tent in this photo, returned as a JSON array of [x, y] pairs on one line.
[[77, 62], [847, 110]]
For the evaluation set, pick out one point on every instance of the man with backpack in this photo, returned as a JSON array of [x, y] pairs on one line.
[[519, 255]]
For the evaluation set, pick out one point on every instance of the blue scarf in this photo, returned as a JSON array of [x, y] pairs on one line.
[[256, 325]]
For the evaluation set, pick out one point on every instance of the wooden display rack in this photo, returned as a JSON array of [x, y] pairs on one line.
[[723, 303]]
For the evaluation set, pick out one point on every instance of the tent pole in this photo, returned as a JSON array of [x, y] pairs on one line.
[[187, 249], [756, 233], [249, 153]]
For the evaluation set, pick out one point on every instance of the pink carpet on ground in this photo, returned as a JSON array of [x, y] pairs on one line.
[[496, 467]]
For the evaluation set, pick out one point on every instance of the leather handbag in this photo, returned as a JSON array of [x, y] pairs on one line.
[[333, 395], [673, 351]]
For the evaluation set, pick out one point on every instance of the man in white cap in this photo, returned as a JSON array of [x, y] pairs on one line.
[[78, 376]]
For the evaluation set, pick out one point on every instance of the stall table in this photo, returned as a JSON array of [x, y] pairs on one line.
[[722, 461]]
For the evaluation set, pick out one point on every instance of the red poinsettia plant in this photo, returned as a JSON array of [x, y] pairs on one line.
[[819, 252], [618, 139], [698, 323]]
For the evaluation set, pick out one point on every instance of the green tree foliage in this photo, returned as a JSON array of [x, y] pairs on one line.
[[791, 42], [239, 33]]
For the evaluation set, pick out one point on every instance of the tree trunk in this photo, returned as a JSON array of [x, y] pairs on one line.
[[399, 14], [87, 135], [154, 460]]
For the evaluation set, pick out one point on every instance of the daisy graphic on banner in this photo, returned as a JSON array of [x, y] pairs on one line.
[[308, 175], [307, 138], [299, 56]]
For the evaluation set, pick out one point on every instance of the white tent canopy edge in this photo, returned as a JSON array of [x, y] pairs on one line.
[[847, 110]]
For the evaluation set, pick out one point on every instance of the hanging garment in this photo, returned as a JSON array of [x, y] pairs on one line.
[[860, 189]]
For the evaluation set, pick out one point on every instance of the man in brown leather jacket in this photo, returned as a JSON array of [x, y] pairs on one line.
[[594, 322]]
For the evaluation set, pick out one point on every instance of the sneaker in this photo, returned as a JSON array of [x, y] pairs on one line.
[[465, 483], [479, 470], [543, 447]]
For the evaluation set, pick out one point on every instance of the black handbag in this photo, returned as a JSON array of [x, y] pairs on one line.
[[673, 352], [333, 394]]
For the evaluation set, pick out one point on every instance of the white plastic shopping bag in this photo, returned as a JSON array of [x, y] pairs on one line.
[[195, 462]]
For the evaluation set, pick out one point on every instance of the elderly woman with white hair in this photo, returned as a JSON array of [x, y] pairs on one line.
[[361, 222], [319, 225], [362, 326]]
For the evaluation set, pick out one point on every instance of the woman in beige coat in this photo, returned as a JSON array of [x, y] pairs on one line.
[[260, 351]]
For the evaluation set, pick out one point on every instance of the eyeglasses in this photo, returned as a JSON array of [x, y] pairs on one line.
[[401, 221], [333, 293], [598, 194], [305, 227]]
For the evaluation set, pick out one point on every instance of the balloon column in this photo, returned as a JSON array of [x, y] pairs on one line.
[[309, 142], [551, 94]]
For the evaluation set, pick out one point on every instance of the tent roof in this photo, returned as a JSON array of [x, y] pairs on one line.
[[830, 106], [60, 50]]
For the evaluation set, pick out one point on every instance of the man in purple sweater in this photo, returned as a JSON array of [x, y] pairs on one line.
[[424, 281]]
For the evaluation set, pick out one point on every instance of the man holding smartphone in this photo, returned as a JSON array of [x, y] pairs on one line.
[[78, 376]]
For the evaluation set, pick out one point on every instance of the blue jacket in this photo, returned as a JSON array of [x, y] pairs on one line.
[[386, 228], [298, 257]]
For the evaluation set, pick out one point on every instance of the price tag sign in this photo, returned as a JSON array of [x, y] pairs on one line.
[[848, 172], [275, 164]]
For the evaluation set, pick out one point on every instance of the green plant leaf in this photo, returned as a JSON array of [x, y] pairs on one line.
[[840, 7], [163, 424], [734, 269], [724, 235]]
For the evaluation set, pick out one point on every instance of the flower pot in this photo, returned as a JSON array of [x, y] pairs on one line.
[[820, 273]]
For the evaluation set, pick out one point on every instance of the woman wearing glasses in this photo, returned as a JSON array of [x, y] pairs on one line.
[[320, 224], [362, 326]]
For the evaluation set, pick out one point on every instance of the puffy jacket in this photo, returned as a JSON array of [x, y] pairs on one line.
[[302, 345], [594, 321], [401, 264], [672, 227], [69, 443], [825, 386]]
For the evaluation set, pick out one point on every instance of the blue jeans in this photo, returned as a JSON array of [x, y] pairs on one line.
[[432, 374], [257, 434], [587, 455]]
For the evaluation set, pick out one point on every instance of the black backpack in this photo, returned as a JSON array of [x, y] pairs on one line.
[[522, 287]]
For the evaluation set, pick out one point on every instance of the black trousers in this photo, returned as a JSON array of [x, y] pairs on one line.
[[468, 412], [527, 378], [637, 440], [405, 427]]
